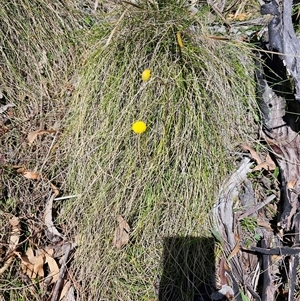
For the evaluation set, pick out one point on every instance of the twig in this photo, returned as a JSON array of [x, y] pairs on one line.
[[268, 292], [115, 28], [257, 207], [96, 6], [67, 197], [294, 261], [275, 251], [219, 13], [61, 273], [53, 232]]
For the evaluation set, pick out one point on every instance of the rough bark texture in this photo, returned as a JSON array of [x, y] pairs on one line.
[[275, 258], [279, 93]]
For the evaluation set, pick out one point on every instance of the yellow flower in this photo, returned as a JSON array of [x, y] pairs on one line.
[[139, 127], [146, 75]]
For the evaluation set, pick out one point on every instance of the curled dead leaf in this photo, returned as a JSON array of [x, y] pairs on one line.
[[67, 285], [291, 184], [31, 175], [53, 234], [268, 164], [55, 189], [32, 265], [13, 242], [53, 267], [121, 236], [33, 135], [15, 233], [38, 263], [253, 153], [20, 169], [236, 248]]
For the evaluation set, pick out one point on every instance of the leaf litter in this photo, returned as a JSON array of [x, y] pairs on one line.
[[33, 135], [13, 242], [245, 218], [41, 265], [267, 164], [121, 236], [43, 251]]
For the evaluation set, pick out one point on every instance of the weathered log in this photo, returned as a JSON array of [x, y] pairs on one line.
[[278, 93], [280, 128]]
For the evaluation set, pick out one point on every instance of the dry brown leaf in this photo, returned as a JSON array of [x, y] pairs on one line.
[[55, 189], [121, 236], [38, 264], [14, 221], [15, 233], [29, 253], [66, 286], [53, 267], [20, 169], [53, 232], [13, 242], [253, 153], [26, 265], [33, 265], [269, 164], [33, 135], [31, 175], [48, 251], [291, 184], [270, 161], [239, 17], [27, 174], [236, 248]]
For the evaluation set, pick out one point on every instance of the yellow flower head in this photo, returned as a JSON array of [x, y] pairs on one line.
[[139, 127], [146, 75]]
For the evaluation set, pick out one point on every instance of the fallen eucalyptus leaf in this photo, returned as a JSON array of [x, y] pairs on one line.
[[268, 164], [121, 236], [253, 153], [33, 135]]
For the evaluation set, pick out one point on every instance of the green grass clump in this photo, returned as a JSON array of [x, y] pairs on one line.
[[37, 41], [197, 105]]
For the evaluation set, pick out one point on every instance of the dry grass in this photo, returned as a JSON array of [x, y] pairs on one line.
[[163, 182], [38, 56], [197, 105]]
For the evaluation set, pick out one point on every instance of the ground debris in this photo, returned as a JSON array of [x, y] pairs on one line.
[[238, 218], [271, 240]]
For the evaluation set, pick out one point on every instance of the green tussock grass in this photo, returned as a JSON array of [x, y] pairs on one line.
[[197, 106], [38, 40]]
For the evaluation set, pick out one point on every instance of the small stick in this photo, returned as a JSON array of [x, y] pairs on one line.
[[96, 6], [275, 251], [115, 28], [219, 13], [257, 207], [62, 271], [67, 197]]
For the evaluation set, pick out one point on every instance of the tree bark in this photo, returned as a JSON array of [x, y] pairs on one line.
[[279, 98]]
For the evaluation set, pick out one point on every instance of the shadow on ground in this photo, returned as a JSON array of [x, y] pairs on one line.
[[188, 269]]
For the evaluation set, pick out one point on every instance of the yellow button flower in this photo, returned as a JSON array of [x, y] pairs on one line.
[[146, 75], [139, 127]]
